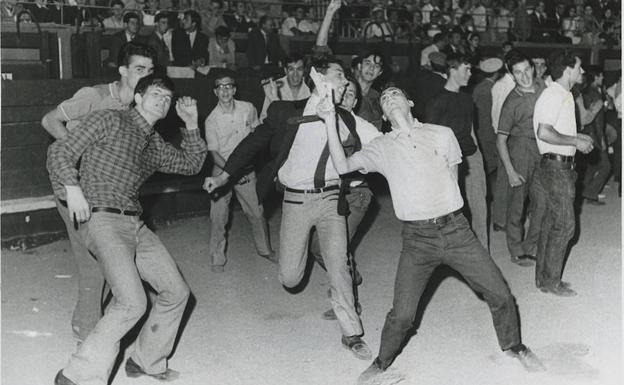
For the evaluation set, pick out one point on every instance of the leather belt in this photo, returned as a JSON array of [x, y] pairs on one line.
[[558, 158], [112, 210], [313, 190], [438, 220]]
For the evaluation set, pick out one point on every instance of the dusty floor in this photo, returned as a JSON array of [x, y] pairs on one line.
[[246, 329]]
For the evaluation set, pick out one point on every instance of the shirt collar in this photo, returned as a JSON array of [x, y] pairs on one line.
[[140, 121]]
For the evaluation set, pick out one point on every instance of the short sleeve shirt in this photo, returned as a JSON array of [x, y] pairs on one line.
[[225, 130], [89, 99], [555, 107], [516, 117], [418, 166]]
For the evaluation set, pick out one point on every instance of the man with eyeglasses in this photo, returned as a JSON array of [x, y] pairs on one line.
[[119, 150], [289, 87], [227, 125], [136, 61], [420, 162]]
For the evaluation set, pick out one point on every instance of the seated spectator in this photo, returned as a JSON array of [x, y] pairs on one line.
[[239, 21], [401, 28], [571, 26], [212, 16], [591, 27], [9, 10], [378, 27], [149, 12], [418, 32], [289, 87], [479, 16], [310, 23], [188, 44], [440, 41], [540, 24], [456, 43], [294, 25], [434, 26], [427, 8], [42, 11], [128, 34], [115, 20], [221, 49], [135, 5], [502, 20], [465, 26], [264, 51], [160, 40]]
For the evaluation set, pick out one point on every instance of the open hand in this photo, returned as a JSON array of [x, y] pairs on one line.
[[186, 107]]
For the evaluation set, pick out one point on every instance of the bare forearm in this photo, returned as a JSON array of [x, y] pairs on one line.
[[218, 160], [503, 152], [53, 126], [549, 135], [323, 33]]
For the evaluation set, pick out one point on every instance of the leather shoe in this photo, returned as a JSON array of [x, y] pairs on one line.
[[528, 359], [60, 379], [271, 257], [523, 260], [497, 227], [357, 346], [374, 375], [560, 289], [330, 315], [133, 370]]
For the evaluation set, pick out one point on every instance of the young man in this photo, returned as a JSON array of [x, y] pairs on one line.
[[439, 43], [520, 158], [289, 87], [554, 124], [420, 163], [129, 33], [119, 151], [160, 40], [137, 61], [369, 68], [189, 44], [229, 123], [455, 109]]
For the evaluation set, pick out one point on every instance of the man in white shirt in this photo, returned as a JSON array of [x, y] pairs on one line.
[[289, 87], [420, 162], [554, 123], [440, 41]]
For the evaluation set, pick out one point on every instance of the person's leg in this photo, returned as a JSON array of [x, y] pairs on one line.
[[219, 216], [499, 201], [516, 199], [248, 199], [112, 239], [298, 215], [466, 255], [90, 280], [537, 207], [476, 191], [157, 267], [596, 175], [420, 255]]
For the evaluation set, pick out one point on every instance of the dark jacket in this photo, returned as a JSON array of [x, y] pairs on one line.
[[258, 49], [162, 51], [117, 41], [183, 53]]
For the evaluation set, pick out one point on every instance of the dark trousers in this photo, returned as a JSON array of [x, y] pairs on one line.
[[596, 174], [426, 246], [555, 183], [525, 158]]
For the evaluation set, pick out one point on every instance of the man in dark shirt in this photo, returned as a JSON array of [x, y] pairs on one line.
[[119, 150], [427, 83], [368, 69], [454, 109]]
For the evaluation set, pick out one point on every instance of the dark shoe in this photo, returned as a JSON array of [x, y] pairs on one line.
[[60, 379], [133, 370], [497, 227], [271, 257], [524, 260], [560, 289], [374, 375], [594, 202], [329, 315], [358, 278], [528, 359], [357, 346]]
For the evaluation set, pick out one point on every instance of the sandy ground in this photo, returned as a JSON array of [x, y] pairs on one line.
[[246, 329]]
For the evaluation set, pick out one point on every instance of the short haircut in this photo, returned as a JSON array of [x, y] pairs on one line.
[[368, 52], [195, 18], [393, 85], [454, 60], [472, 35], [438, 36], [135, 49], [222, 31], [225, 73], [129, 16], [322, 65], [507, 43], [160, 81], [591, 73], [514, 57], [559, 61], [464, 18], [160, 16], [358, 91], [293, 58], [263, 20], [117, 2]]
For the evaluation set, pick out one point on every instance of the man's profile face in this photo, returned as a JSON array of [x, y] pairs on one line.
[[138, 68], [370, 68], [523, 74], [294, 73], [156, 101], [576, 73], [225, 88], [462, 74]]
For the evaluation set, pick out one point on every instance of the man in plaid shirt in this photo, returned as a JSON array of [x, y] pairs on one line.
[[119, 151]]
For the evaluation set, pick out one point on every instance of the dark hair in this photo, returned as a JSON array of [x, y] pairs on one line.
[[129, 16], [372, 52], [322, 65], [591, 73], [472, 35], [225, 73], [559, 61], [222, 31], [514, 57], [393, 85], [117, 2], [358, 91], [293, 58], [135, 49], [507, 42], [263, 20], [195, 18], [438, 36], [464, 18], [160, 81], [454, 60], [160, 16]]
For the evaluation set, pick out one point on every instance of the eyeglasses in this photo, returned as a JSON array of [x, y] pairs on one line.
[[226, 86]]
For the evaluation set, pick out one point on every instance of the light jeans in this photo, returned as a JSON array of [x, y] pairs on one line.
[[475, 189], [220, 214], [301, 212], [129, 252]]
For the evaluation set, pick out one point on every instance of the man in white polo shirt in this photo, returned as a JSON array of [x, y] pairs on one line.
[[554, 123], [420, 163]]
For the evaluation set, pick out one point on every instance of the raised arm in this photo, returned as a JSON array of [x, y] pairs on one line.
[[323, 33]]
